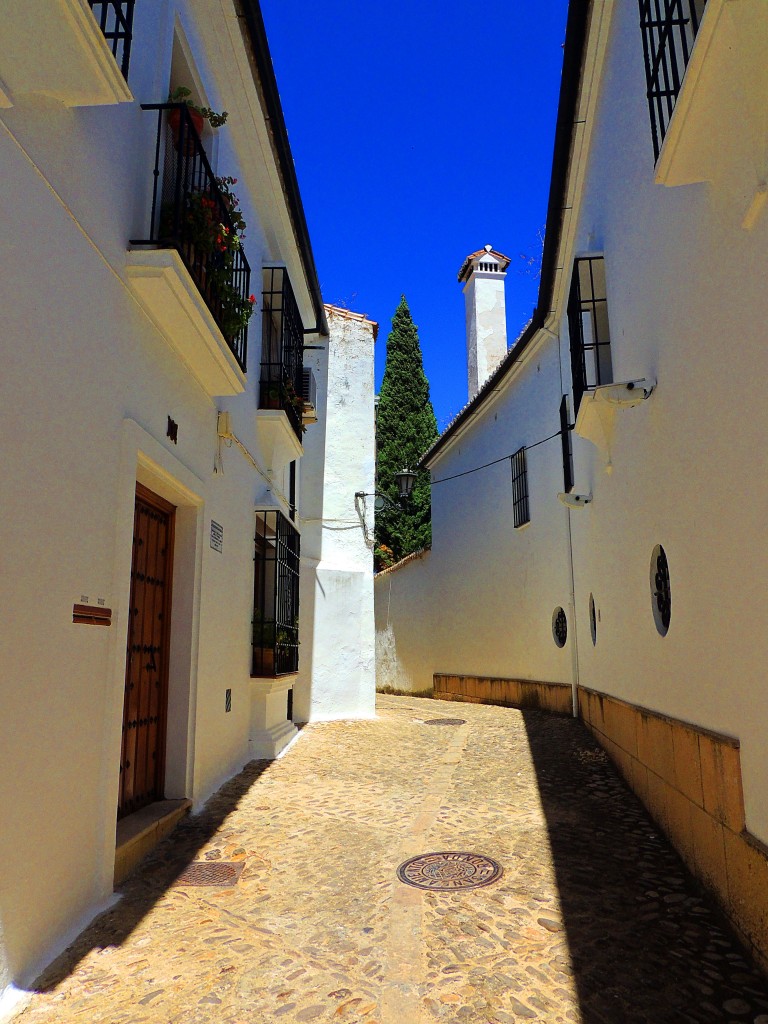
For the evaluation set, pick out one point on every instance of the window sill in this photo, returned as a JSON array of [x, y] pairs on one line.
[[72, 61], [164, 287], [277, 439], [724, 83]]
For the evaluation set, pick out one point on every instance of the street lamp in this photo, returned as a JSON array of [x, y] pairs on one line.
[[405, 480]]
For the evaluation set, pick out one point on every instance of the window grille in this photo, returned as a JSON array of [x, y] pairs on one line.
[[276, 596], [669, 30], [588, 328], [661, 590], [520, 509], [560, 627], [282, 348], [115, 18], [565, 438]]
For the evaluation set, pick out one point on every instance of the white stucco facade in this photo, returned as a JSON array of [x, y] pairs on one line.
[[337, 666], [105, 347]]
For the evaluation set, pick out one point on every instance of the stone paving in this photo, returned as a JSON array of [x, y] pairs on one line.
[[595, 920]]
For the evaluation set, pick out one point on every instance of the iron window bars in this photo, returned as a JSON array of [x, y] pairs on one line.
[[560, 627], [662, 590], [588, 328], [275, 596], [189, 211], [520, 512], [565, 438], [115, 18], [282, 348], [669, 30]]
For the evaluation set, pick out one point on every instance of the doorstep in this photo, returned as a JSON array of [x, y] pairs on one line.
[[139, 833]]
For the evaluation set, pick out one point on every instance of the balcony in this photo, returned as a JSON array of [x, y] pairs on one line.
[[75, 51], [190, 273], [276, 596]]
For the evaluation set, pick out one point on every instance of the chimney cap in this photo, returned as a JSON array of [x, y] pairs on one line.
[[466, 267]]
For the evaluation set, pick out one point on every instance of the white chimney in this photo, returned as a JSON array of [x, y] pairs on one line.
[[483, 274]]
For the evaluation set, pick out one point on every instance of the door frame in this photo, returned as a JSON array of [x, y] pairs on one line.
[[156, 501], [146, 460]]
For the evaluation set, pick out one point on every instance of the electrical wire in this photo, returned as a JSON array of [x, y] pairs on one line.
[[526, 447]]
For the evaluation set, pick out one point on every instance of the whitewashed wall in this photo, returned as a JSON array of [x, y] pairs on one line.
[[86, 387], [487, 593], [338, 674], [405, 625], [687, 305], [496, 587]]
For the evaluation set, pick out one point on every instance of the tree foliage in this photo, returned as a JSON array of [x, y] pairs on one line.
[[405, 429]]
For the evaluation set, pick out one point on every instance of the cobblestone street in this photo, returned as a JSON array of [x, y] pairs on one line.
[[594, 919]]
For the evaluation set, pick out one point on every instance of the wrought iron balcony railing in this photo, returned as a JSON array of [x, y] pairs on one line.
[[276, 596], [115, 17], [191, 213], [282, 349], [669, 30]]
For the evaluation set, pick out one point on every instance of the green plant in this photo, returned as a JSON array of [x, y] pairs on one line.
[[181, 94], [405, 429], [202, 227], [383, 557]]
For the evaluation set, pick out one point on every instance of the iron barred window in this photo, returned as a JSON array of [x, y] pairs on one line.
[[275, 596], [565, 438], [282, 348], [588, 328], [115, 18], [520, 511], [669, 30]]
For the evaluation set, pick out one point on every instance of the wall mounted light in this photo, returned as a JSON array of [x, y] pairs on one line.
[[405, 480]]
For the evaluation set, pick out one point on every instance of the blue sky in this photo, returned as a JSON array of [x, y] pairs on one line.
[[421, 132]]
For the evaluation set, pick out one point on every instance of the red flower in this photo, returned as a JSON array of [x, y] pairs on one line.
[[252, 299]]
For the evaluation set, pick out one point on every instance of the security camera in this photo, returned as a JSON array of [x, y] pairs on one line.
[[574, 500]]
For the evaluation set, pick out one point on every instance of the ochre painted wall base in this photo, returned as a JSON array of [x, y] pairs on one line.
[[688, 778], [513, 693]]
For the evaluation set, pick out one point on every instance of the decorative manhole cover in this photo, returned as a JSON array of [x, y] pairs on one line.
[[202, 872], [448, 871], [445, 721]]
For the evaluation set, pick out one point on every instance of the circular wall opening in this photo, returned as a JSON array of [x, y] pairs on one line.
[[559, 627], [661, 591], [592, 619]]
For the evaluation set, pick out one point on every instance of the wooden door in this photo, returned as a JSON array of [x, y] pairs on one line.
[[142, 758]]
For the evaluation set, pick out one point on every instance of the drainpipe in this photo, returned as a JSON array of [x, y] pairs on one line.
[[575, 644]]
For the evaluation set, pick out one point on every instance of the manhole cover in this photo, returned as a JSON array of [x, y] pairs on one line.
[[201, 872], [448, 871], [445, 721]]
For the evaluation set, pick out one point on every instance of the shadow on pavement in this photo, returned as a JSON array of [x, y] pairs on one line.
[[646, 944], [153, 877]]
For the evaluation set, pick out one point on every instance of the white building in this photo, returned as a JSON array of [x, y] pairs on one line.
[[154, 459], [337, 672], [637, 595]]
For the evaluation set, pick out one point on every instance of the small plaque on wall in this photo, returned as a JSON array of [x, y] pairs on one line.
[[217, 536]]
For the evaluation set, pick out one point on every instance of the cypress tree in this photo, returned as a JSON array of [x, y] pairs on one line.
[[405, 429]]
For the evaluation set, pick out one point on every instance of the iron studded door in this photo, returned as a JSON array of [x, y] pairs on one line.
[[142, 759]]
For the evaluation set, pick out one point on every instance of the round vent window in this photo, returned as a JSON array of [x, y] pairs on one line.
[[559, 627], [661, 591], [592, 619]]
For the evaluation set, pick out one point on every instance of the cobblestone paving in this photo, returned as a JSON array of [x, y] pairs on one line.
[[593, 921]]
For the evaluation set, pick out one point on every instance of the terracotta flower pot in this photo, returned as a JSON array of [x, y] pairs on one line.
[[174, 121]]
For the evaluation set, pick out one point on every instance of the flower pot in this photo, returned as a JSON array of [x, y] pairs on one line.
[[174, 122]]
